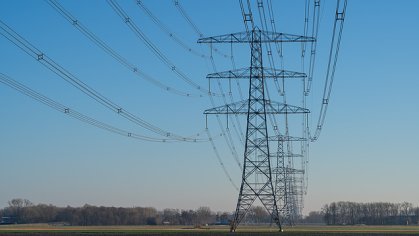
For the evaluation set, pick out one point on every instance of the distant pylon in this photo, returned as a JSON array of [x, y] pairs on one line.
[[257, 172], [288, 193]]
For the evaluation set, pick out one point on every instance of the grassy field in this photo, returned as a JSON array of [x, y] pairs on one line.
[[45, 229]]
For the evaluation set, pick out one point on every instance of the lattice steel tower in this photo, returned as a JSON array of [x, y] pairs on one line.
[[257, 173]]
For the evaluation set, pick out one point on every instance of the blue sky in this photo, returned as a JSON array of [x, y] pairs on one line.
[[367, 150]]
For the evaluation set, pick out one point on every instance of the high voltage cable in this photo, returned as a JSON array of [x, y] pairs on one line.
[[271, 17], [233, 63], [304, 146], [263, 21], [239, 132], [124, 16], [189, 49], [118, 9], [278, 46], [107, 49], [247, 16], [212, 48], [228, 138], [42, 58], [303, 151], [239, 89], [331, 67], [236, 123], [156, 51], [308, 85], [237, 128], [166, 30], [226, 132], [313, 47], [220, 161], [305, 30], [193, 25], [264, 24], [289, 146], [73, 113]]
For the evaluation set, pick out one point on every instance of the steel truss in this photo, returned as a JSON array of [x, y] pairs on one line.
[[257, 170]]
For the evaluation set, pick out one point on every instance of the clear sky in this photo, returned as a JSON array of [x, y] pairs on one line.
[[367, 150]]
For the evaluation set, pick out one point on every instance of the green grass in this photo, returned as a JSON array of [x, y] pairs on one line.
[[212, 230]]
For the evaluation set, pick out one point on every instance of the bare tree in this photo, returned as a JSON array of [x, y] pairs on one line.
[[204, 215]]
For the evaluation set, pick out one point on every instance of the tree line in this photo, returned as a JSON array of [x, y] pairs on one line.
[[375, 213], [22, 211]]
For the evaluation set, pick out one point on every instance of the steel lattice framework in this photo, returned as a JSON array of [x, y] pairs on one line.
[[257, 178]]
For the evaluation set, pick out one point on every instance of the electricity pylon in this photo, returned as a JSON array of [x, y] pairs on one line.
[[286, 182], [257, 173]]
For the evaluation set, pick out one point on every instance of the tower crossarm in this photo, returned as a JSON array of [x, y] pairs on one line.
[[244, 73], [265, 37], [276, 154], [288, 170], [286, 138], [242, 108], [283, 138]]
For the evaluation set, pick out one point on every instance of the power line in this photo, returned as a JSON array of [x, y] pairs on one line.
[[156, 51], [236, 122], [193, 25], [237, 127], [107, 49], [42, 58], [166, 30], [304, 146], [278, 46], [313, 47], [226, 132], [248, 18], [291, 204], [331, 67], [220, 161], [228, 138], [73, 113]]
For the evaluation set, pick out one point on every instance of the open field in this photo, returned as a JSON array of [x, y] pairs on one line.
[[44, 229]]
